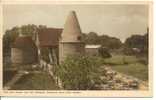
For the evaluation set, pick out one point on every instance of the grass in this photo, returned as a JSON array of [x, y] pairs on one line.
[[129, 65], [36, 81], [137, 70], [121, 59]]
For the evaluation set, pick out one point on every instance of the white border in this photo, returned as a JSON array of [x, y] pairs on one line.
[[65, 93]]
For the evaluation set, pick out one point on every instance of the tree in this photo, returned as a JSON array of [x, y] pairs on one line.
[[137, 41], [92, 38], [10, 35], [104, 40], [14, 32], [6, 41], [42, 26], [28, 30], [110, 42], [104, 52]]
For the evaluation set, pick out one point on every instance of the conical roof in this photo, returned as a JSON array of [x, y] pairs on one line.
[[72, 31]]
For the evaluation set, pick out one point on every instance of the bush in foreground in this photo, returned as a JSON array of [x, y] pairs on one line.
[[79, 72]]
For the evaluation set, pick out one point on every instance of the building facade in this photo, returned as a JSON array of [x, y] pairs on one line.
[[59, 42], [24, 51]]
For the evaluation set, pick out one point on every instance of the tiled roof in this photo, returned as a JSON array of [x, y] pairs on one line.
[[24, 42], [49, 37], [72, 30]]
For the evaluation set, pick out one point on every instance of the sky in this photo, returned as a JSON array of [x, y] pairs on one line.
[[119, 21]]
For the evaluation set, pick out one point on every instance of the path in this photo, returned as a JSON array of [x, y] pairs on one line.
[[14, 79]]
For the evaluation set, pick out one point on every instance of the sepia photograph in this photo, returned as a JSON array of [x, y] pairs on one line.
[[102, 47]]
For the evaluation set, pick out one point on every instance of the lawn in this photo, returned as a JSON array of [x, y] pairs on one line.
[[36, 81], [137, 70], [121, 59], [129, 65]]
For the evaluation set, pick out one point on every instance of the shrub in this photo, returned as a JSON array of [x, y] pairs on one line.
[[104, 52], [79, 72]]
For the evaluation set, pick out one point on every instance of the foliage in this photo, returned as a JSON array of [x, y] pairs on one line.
[[134, 69], [28, 29], [9, 37], [104, 52], [79, 72], [11, 34], [91, 38], [104, 40], [110, 42], [137, 41]]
